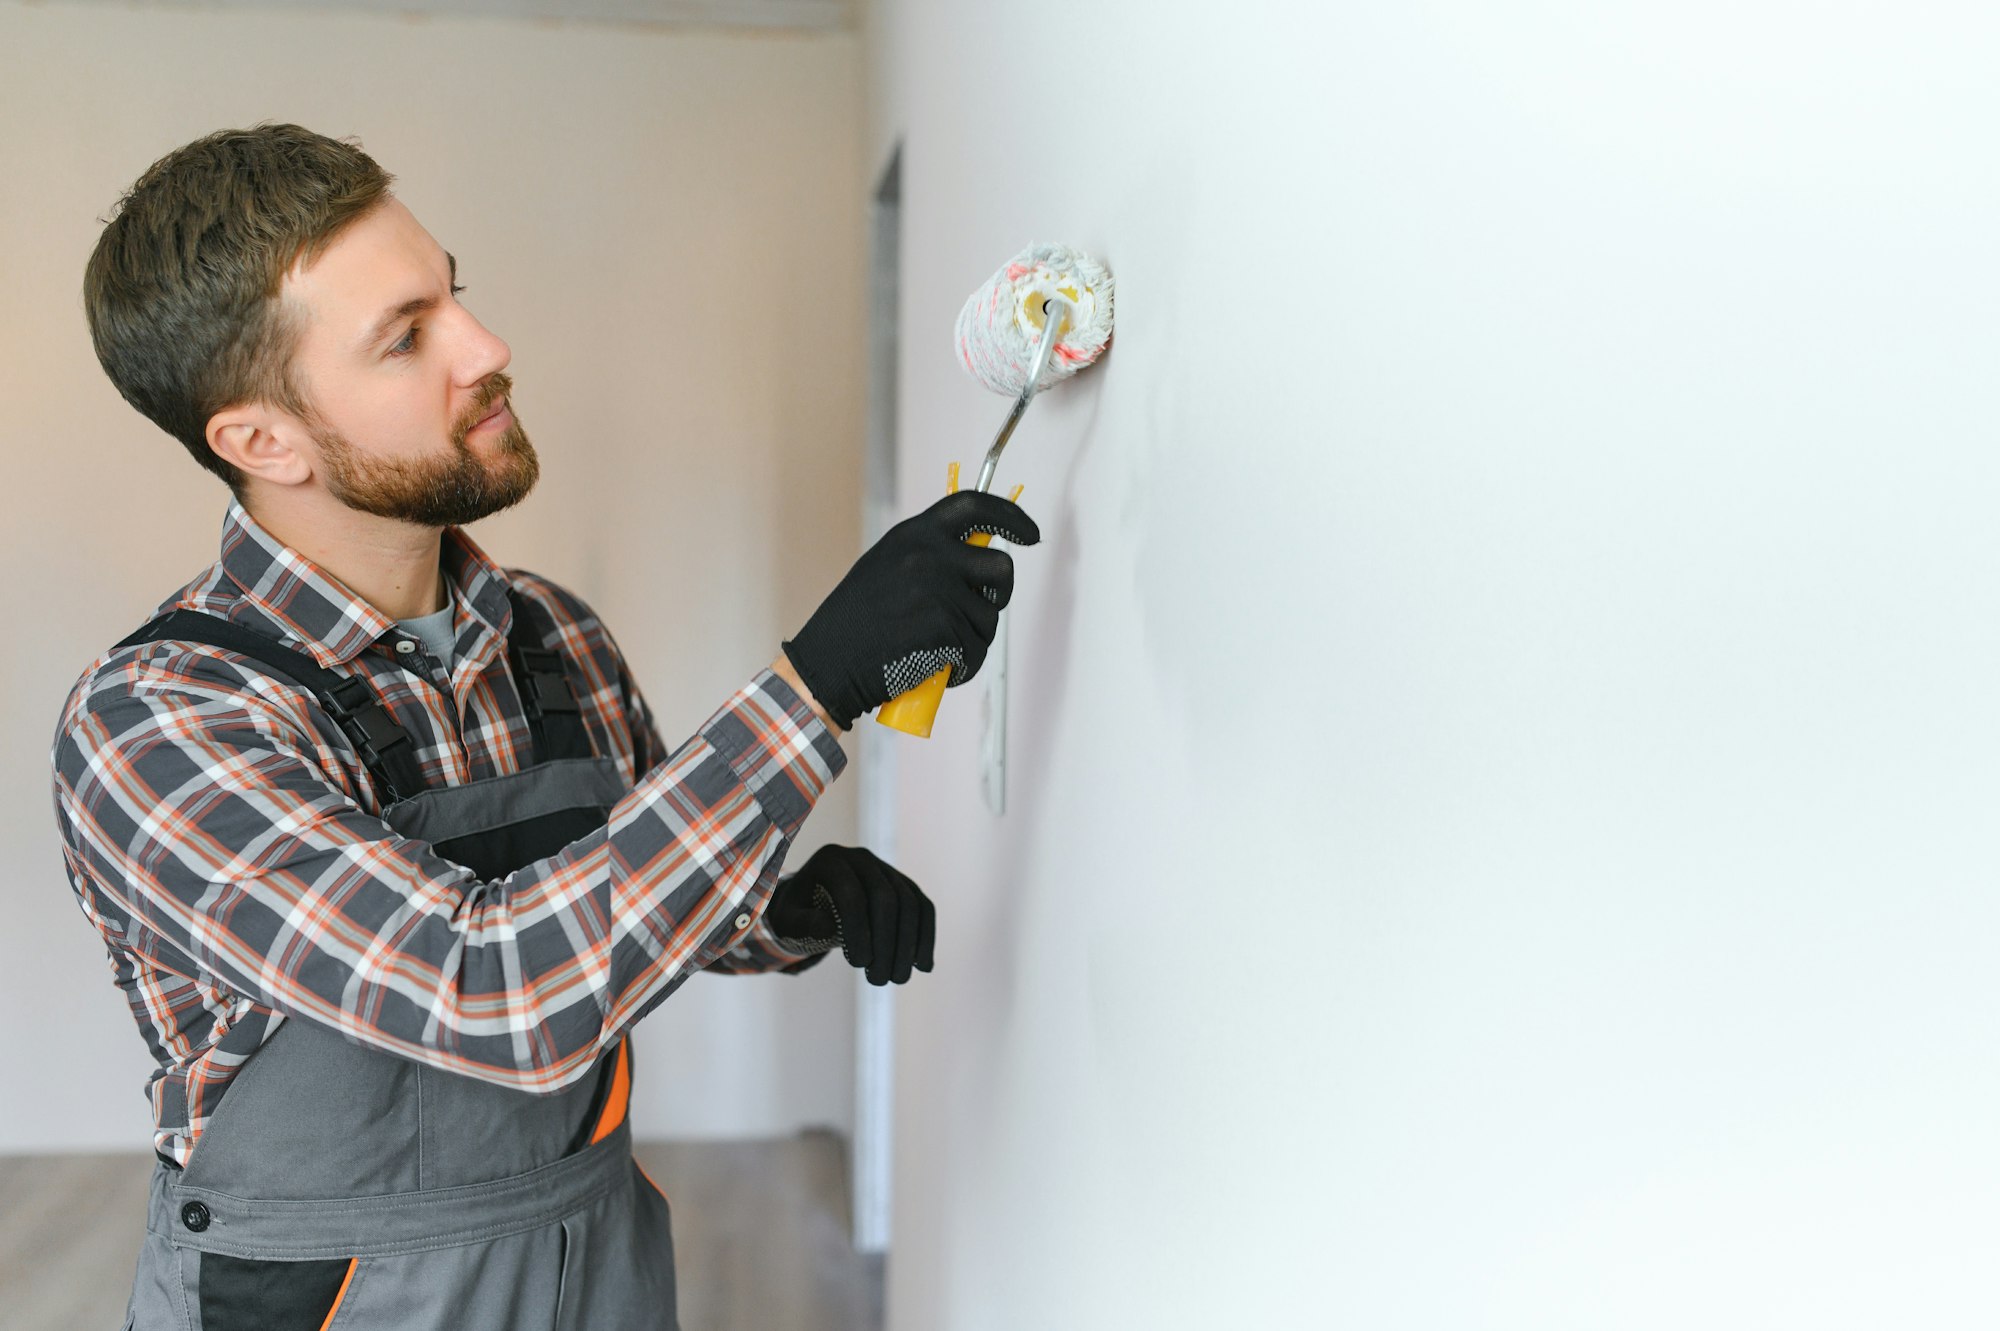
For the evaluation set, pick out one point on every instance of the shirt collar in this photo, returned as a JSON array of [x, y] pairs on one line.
[[332, 623]]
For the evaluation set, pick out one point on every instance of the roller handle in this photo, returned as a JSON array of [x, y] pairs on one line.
[[914, 711]]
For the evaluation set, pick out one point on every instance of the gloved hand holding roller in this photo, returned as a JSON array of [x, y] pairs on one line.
[[901, 627], [916, 600]]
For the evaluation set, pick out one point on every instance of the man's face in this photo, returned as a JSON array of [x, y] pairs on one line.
[[413, 420]]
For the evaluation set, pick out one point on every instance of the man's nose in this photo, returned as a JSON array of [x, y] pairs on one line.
[[485, 355]]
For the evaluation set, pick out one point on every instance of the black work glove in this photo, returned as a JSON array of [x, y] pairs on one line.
[[918, 600], [882, 921]]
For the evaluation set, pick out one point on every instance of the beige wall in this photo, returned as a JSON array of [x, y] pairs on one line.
[[1506, 712], [667, 229]]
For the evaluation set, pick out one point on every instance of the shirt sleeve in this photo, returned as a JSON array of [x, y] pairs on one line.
[[200, 826], [758, 952]]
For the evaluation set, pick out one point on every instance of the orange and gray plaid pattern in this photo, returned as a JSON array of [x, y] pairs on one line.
[[224, 838]]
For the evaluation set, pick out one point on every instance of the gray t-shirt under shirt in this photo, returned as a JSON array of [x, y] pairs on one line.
[[434, 631]]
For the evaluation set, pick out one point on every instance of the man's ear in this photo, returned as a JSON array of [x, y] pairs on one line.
[[260, 442]]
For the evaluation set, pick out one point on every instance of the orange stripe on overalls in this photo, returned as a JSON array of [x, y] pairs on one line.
[[341, 1297], [621, 1091]]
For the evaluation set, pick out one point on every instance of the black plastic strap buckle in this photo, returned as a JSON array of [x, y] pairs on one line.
[[545, 685], [367, 722]]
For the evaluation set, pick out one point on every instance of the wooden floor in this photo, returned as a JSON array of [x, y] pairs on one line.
[[760, 1237]]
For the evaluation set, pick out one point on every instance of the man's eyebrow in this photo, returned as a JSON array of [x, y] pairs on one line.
[[404, 311]]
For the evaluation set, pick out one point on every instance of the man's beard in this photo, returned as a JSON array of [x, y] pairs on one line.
[[450, 491]]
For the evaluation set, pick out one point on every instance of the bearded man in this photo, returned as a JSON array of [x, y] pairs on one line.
[[386, 851]]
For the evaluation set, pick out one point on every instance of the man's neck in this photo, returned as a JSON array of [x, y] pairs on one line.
[[391, 565]]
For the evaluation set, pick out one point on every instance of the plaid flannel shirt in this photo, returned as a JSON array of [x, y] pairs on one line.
[[224, 838]]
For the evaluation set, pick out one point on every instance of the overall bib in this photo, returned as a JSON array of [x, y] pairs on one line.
[[339, 1188]]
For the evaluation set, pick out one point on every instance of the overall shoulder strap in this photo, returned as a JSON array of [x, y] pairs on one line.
[[384, 746], [555, 718]]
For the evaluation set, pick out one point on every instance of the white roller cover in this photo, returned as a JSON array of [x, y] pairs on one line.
[[1001, 324]]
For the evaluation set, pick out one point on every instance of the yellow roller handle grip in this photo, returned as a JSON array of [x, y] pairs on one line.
[[914, 711]]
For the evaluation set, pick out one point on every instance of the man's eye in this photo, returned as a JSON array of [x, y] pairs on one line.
[[408, 342]]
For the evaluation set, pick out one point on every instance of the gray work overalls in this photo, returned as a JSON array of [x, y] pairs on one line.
[[338, 1188]]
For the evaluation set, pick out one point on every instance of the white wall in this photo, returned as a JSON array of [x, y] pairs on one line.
[[667, 229], [1506, 709]]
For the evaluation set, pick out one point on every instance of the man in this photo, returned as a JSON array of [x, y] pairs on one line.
[[384, 846]]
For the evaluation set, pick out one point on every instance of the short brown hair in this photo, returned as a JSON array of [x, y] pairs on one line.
[[182, 291]]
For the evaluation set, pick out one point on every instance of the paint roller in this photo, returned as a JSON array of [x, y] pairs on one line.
[[1040, 320]]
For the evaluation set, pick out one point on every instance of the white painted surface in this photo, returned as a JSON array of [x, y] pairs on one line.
[[664, 227], [993, 720], [1505, 713]]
